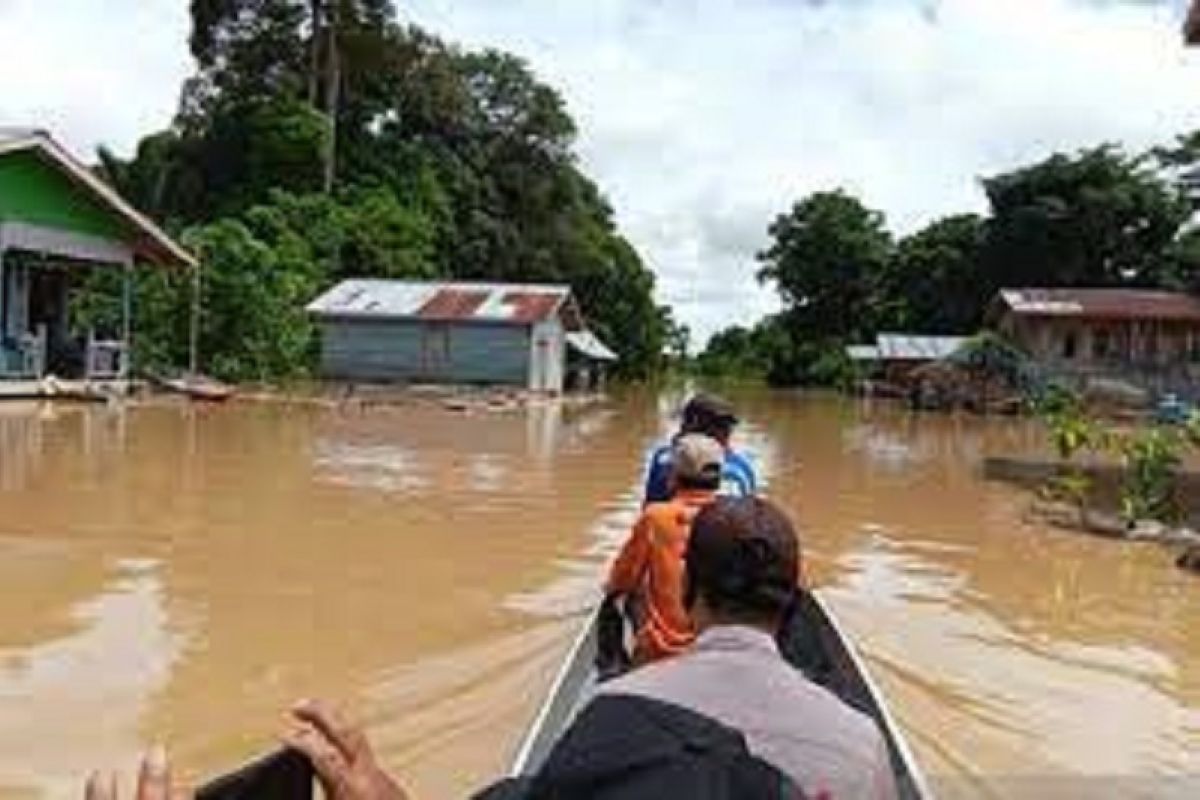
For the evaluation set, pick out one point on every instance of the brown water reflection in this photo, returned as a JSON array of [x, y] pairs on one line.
[[184, 573]]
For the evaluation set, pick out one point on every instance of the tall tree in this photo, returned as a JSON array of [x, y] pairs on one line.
[[1098, 218], [447, 162], [824, 257], [935, 281]]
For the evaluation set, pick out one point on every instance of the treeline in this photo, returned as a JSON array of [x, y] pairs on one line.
[[1100, 217], [322, 139]]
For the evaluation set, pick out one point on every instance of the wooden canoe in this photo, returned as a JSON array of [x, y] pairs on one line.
[[196, 387], [830, 659]]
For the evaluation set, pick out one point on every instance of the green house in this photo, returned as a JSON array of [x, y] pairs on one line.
[[58, 221]]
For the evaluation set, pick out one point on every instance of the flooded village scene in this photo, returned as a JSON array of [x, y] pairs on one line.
[[530, 400]]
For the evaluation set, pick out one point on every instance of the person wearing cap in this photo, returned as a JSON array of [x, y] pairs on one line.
[[649, 567], [715, 418], [742, 572]]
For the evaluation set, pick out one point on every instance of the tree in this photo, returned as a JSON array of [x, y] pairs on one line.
[[764, 352], [449, 163], [303, 50], [1098, 218], [678, 337], [824, 257], [935, 281]]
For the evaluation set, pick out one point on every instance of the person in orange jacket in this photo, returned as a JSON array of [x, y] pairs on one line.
[[649, 568]]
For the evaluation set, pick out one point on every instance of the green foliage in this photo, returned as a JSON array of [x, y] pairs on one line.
[[1071, 432], [823, 258], [1096, 218], [449, 164], [1054, 398], [763, 352], [1099, 218], [934, 281], [677, 337], [1151, 458], [1150, 455], [733, 352], [260, 275], [989, 356]]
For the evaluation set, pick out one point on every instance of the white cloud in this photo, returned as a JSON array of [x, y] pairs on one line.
[[703, 118], [93, 71]]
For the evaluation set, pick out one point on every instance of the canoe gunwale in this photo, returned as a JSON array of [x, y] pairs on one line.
[[571, 680], [890, 727], [578, 659]]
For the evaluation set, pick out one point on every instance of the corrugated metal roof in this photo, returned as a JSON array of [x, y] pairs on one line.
[[452, 304], [1111, 304], [902, 347], [587, 343], [862, 352], [497, 302]]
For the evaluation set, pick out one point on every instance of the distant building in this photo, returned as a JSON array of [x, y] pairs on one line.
[[58, 224], [526, 335], [1146, 337], [894, 356]]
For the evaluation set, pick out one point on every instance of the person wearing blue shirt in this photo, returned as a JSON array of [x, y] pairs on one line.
[[713, 417]]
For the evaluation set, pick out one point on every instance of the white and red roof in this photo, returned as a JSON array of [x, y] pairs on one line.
[[517, 303]]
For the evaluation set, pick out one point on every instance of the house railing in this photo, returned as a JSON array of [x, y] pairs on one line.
[[24, 357], [107, 359]]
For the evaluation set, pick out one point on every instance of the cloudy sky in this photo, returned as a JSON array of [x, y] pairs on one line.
[[703, 118]]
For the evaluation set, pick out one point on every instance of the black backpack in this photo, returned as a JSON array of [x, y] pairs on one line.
[[623, 747]]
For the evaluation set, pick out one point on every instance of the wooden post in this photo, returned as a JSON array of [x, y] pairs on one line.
[[194, 323], [333, 86], [3, 298], [127, 321]]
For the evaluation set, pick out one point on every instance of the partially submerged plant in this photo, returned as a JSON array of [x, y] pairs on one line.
[[1071, 432], [1151, 457]]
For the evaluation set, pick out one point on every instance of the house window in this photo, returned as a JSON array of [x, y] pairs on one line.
[[1070, 344], [1101, 344]]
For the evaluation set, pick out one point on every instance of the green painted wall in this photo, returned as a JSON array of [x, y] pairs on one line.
[[32, 191]]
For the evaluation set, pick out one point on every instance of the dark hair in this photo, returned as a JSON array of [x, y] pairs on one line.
[[743, 558], [709, 415], [707, 482]]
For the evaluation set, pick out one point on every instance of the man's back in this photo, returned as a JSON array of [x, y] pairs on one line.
[[734, 674]]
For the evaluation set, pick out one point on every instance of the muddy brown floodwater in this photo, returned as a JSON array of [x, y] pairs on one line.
[[182, 574]]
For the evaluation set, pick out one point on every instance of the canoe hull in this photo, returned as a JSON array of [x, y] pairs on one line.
[[195, 387], [843, 672]]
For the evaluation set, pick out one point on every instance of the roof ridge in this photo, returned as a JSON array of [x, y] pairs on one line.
[[450, 283]]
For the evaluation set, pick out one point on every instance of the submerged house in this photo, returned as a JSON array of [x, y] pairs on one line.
[[1148, 338], [527, 335], [58, 223], [895, 357]]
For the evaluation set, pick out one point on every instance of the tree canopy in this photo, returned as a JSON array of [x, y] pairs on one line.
[[1099, 217], [388, 153]]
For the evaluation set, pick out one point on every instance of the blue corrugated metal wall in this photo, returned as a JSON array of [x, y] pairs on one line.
[[413, 350]]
